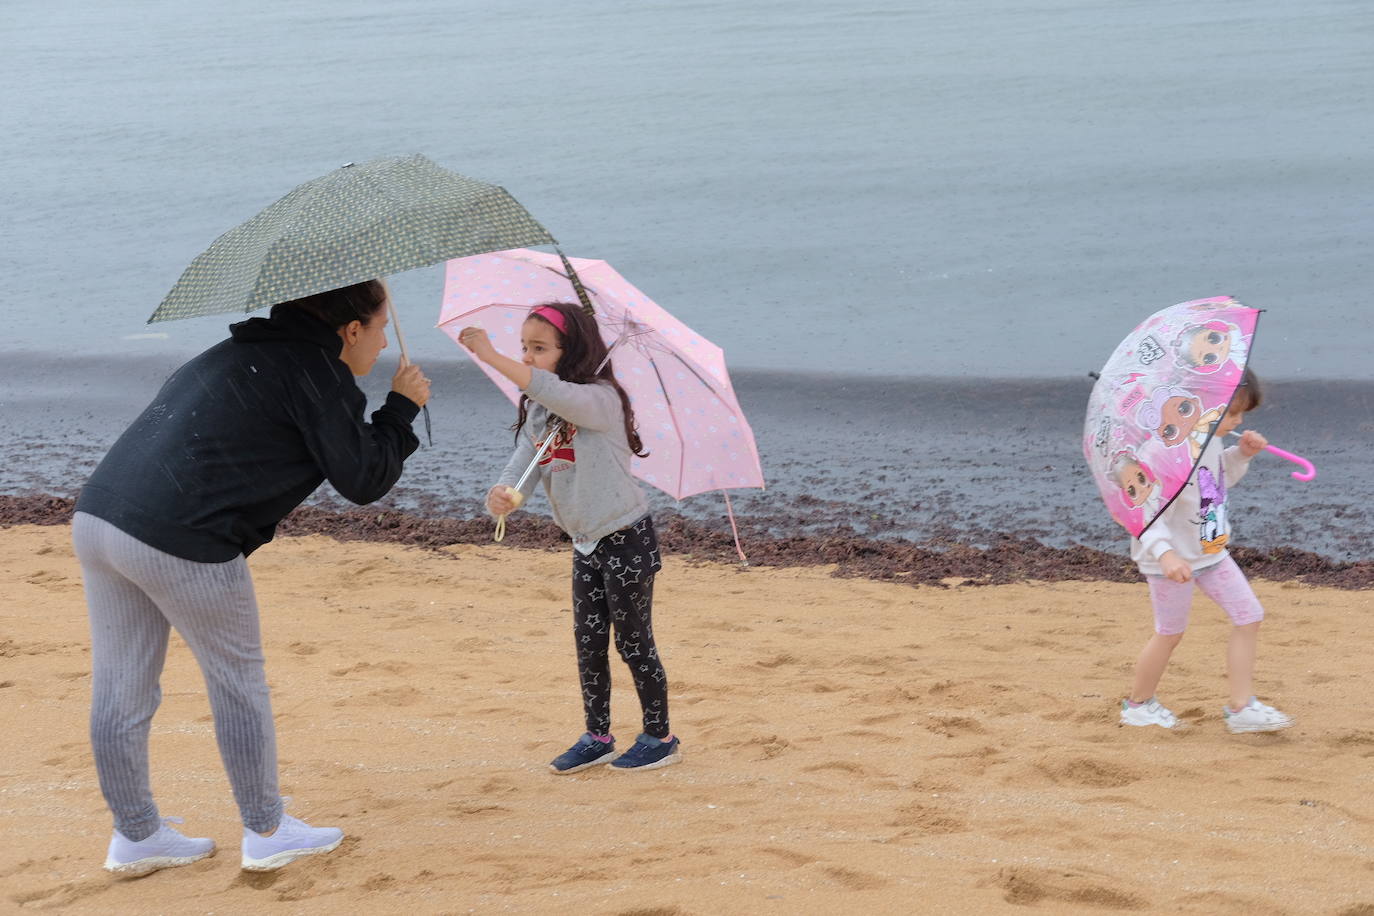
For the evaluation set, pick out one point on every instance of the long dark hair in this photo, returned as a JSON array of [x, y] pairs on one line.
[[337, 307], [583, 351]]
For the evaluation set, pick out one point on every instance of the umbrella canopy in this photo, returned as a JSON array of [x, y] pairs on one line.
[[356, 223], [689, 418], [1156, 403]]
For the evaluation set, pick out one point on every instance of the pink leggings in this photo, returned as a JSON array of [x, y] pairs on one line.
[[1224, 583]]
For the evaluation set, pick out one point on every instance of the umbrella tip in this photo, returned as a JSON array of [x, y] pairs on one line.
[[346, 165], [1094, 375]]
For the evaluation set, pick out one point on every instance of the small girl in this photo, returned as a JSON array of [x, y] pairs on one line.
[[1187, 543], [576, 400]]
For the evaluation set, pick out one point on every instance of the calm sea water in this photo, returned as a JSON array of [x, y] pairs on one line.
[[947, 188]]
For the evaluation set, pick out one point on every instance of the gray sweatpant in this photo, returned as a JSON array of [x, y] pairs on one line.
[[135, 594]]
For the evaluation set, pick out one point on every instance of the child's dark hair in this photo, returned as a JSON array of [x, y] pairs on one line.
[[1249, 394], [337, 307], [583, 351]]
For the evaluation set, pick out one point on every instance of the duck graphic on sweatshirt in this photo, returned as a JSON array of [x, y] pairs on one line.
[[1214, 531]]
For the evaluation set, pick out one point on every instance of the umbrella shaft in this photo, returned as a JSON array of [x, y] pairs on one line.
[[534, 462], [396, 326]]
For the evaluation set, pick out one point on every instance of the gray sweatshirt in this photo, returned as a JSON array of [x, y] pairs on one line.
[[586, 471]]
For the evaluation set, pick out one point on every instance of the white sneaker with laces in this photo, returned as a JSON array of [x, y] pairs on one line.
[[1148, 713], [290, 841], [1255, 717], [164, 849]]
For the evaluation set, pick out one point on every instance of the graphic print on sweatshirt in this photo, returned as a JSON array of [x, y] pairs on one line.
[[561, 449], [1213, 531]]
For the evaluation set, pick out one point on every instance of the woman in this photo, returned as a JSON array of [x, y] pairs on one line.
[[237, 438]]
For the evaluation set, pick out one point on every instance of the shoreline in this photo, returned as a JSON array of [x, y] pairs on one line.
[[941, 562], [967, 461]]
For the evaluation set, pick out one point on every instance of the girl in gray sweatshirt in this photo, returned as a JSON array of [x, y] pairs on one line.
[[572, 403]]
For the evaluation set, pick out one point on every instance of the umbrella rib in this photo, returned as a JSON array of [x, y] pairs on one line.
[[672, 415], [690, 368], [1211, 433]]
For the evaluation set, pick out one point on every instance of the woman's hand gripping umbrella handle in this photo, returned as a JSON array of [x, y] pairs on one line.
[[516, 494], [1308, 470], [405, 360]]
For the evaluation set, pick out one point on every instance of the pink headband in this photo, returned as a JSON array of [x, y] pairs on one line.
[[553, 316]]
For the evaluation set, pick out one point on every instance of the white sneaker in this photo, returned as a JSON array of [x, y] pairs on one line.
[[1255, 717], [291, 840], [164, 849], [1148, 713]]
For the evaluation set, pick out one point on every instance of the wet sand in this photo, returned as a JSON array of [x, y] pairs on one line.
[[953, 461], [849, 746]]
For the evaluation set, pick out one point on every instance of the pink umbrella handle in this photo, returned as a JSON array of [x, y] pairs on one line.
[[1307, 472]]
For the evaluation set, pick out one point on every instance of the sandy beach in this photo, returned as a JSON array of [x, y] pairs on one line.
[[850, 746]]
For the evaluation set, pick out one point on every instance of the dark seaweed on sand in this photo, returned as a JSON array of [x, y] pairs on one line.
[[938, 561]]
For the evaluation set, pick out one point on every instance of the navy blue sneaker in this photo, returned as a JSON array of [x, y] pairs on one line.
[[587, 752], [650, 753]]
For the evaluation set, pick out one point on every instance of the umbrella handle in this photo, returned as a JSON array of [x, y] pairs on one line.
[[405, 358], [1308, 470], [516, 497]]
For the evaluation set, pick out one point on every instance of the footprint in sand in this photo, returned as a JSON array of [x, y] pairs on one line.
[[868, 734], [473, 808], [842, 766], [391, 667], [1356, 742], [769, 747], [923, 820], [62, 895], [975, 761], [1088, 772], [852, 879], [397, 696], [1033, 886], [954, 726], [795, 859]]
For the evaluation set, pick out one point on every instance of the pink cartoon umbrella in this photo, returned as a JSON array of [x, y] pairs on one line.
[[689, 418], [1156, 402]]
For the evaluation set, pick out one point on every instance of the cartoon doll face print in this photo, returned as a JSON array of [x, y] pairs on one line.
[[1134, 483], [1170, 412], [1178, 416], [1207, 346]]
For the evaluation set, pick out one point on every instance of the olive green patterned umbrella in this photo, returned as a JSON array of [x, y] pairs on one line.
[[356, 223]]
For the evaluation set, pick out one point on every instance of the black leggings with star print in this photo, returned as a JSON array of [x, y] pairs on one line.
[[613, 589]]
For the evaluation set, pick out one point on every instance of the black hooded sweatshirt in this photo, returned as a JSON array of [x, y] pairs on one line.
[[241, 435]]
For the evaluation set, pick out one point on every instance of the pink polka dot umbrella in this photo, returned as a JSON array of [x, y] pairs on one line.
[[689, 417]]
